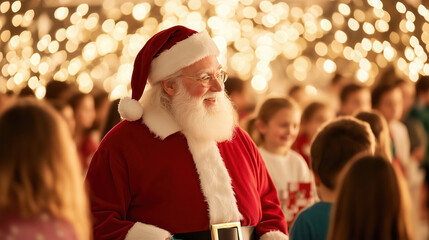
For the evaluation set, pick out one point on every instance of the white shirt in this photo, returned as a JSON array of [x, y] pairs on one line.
[[287, 171], [290, 168]]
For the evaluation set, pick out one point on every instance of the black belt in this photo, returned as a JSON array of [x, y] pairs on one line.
[[231, 233]]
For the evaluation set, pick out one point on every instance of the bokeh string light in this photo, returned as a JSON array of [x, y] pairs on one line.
[[266, 42]]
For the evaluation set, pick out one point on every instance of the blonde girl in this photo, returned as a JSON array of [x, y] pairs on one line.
[[41, 187], [275, 129]]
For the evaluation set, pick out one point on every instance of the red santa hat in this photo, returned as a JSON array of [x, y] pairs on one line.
[[164, 54]]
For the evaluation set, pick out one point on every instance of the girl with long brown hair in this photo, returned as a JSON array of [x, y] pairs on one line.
[[372, 203]]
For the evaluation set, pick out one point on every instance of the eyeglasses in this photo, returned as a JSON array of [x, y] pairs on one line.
[[205, 80]]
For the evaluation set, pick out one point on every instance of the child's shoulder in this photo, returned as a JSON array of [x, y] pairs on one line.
[[295, 155], [317, 210], [295, 160]]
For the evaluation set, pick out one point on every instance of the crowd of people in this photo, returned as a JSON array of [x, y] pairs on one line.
[[193, 155]]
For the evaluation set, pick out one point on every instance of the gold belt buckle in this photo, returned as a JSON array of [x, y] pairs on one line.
[[214, 228]]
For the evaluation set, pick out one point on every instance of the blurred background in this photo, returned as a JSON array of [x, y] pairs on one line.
[[271, 44]]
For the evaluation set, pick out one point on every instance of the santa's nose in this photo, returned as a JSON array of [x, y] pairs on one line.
[[216, 85]]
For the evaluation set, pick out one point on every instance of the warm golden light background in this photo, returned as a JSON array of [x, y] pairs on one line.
[[270, 43]]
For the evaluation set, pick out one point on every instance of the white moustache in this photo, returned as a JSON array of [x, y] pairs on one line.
[[212, 95]]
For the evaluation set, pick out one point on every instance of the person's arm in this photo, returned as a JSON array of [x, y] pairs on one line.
[[273, 224], [110, 198]]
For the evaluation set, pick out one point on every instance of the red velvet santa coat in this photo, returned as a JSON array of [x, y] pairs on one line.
[[145, 183]]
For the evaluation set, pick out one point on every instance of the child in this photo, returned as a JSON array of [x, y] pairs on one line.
[[84, 113], [372, 203], [298, 93], [315, 115], [331, 150], [241, 96], [381, 132], [387, 99], [353, 99], [41, 190], [112, 119], [277, 125], [66, 111]]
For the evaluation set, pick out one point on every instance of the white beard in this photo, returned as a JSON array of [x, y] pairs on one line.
[[201, 122]]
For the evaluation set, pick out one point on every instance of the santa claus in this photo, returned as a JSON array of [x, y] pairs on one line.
[[179, 167]]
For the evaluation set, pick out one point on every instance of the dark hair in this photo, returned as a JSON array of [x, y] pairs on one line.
[[399, 81], [99, 98], [422, 85], [55, 89], [370, 204], [58, 105], [349, 89], [380, 129], [112, 119], [26, 92], [310, 110], [267, 110], [234, 85], [379, 91], [294, 89], [336, 144], [337, 77]]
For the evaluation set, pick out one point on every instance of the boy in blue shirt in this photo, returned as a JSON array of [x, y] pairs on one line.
[[331, 150]]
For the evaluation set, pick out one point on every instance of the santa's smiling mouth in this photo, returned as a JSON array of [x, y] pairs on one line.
[[210, 101]]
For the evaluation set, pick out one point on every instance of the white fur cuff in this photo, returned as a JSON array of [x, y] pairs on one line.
[[141, 231], [274, 235]]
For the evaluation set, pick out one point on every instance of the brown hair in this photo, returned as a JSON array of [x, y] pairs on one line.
[[113, 118], [370, 204], [336, 144], [39, 167], [310, 110], [294, 89], [350, 89], [422, 85], [234, 84], [267, 110], [380, 90], [381, 132]]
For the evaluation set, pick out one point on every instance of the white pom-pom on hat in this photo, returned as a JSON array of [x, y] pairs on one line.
[[130, 109]]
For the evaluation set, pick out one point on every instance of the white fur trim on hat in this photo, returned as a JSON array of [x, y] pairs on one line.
[[182, 54], [130, 109], [146, 231], [274, 235]]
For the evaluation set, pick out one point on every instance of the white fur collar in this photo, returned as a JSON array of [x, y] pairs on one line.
[[215, 182]]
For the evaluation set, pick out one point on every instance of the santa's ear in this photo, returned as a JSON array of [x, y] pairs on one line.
[[169, 87]]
